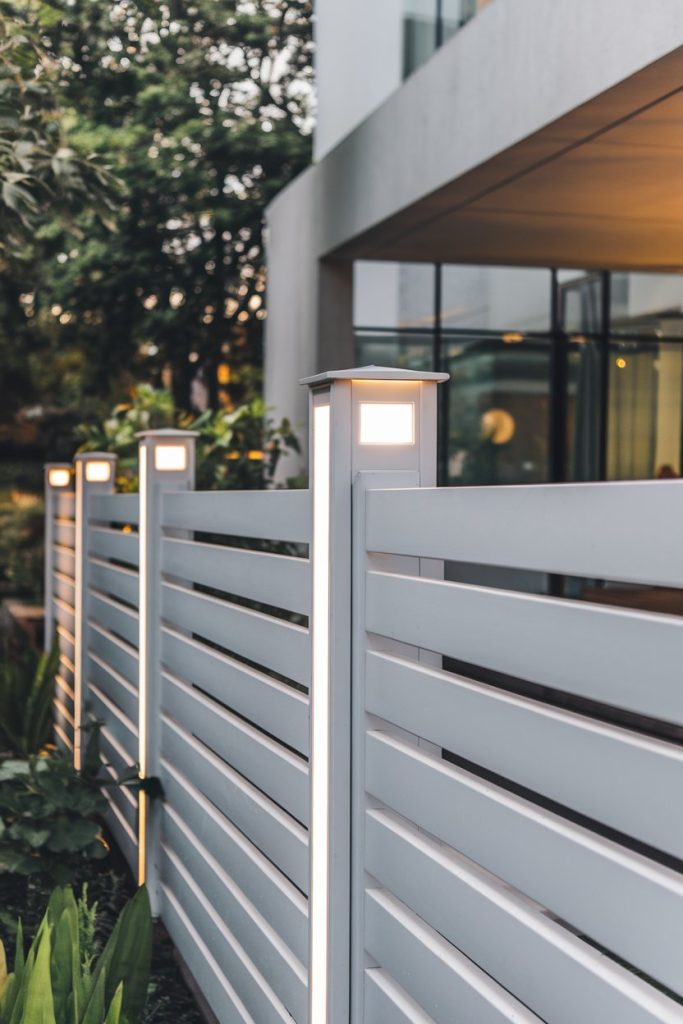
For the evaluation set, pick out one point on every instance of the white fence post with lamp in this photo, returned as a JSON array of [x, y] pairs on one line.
[[166, 463], [95, 475], [363, 421]]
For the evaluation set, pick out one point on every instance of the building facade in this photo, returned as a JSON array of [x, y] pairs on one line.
[[496, 193]]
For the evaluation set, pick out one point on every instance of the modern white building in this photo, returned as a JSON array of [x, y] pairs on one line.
[[497, 192]]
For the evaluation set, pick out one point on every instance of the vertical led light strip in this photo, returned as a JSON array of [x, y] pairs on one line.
[[79, 631], [143, 667], [320, 719]]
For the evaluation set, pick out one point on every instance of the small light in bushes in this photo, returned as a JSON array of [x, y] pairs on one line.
[[170, 458], [98, 472], [59, 477]]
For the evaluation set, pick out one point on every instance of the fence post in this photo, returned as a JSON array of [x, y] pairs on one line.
[[167, 463], [95, 474], [58, 480], [369, 419]]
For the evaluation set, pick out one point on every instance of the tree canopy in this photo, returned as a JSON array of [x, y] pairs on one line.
[[202, 109]]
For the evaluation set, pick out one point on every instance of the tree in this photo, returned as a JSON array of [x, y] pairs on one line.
[[40, 173], [204, 111]]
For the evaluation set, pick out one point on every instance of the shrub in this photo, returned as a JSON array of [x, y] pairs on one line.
[[27, 688], [49, 815], [59, 981]]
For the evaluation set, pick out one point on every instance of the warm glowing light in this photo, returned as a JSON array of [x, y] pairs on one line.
[[387, 423], [223, 373], [143, 676], [98, 472], [498, 426], [255, 456], [170, 457], [513, 337], [621, 362], [58, 477], [320, 717]]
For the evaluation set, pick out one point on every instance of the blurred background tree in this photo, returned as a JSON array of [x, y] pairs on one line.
[[196, 113]]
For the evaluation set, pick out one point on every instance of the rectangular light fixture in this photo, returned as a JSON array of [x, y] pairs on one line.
[[170, 458], [59, 477], [98, 471], [387, 423], [320, 718]]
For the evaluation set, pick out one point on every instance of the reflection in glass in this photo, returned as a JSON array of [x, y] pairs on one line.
[[649, 305], [406, 351], [584, 397], [645, 410], [498, 405], [389, 294], [420, 33], [495, 298]]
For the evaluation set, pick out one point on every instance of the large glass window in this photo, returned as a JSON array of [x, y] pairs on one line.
[[570, 375], [427, 24], [498, 400]]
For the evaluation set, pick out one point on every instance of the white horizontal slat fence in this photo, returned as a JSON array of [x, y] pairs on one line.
[[388, 794], [518, 798]]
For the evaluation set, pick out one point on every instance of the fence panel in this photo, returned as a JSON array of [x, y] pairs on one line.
[[235, 663], [517, 828], [112, 637]]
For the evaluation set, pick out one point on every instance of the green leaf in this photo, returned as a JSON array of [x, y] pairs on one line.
[[127, 957]]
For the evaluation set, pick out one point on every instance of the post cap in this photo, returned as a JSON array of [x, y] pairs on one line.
[[166, 433], [374, 373], [98, 456]]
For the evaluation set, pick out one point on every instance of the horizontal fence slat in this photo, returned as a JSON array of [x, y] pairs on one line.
[[65, 504], [113, 652], [114, 580], [273, 706], [268, 515], [271, 829], [593, 651], [553, 972], [269, 642], [114, 685], [276, 580], [264, 947], [64, 532], [113, 544], [280, 902], [247, 979], [115, 617], [630, 905], [617, 777], [64, 587], [435, 974], [64, 615], [64, 560], [115, 508], [119, 725], [274, 770], [202, 964], [617, 531], [386, 1001]]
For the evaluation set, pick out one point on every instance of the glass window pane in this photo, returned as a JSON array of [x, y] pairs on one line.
[[647, 304], [419, 33], [584, 395], [457, 13], [580, 301], [495, 298], [645, 410], [393, 295], [498, 407], [384, 348]]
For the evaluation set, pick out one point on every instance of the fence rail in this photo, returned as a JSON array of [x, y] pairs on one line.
[[420, 749]]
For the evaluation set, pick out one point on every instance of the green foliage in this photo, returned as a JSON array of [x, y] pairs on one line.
[[49, 817], [50, 986], [27, 687], [41, 175], [236, 449], [21, 545]]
